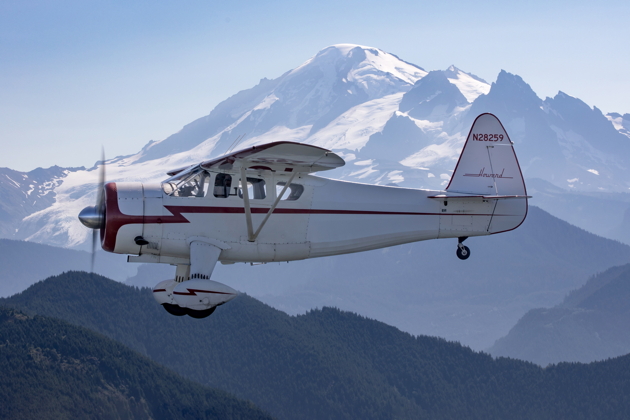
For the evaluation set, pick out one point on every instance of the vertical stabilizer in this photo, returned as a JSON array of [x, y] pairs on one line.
[[488, 164]]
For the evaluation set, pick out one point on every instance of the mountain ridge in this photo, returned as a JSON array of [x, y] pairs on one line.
[[52, 369], [358, 101], [330, 363], [590, 324]]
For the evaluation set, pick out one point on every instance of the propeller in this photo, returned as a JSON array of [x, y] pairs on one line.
[[93, 217]]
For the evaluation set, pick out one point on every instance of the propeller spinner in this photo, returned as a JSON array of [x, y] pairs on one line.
[[93, 217]]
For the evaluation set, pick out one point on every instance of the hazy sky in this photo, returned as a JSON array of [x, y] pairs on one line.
[[78, 74]]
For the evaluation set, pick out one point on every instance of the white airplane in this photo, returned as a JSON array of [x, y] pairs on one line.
[[262, 204]]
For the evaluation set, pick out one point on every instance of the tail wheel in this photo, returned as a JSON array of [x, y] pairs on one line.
[[201, 314], [174, 309], [463, 252]]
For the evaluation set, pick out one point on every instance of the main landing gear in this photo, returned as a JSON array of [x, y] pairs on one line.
[[463, 252], [192, 292], [179, 311]]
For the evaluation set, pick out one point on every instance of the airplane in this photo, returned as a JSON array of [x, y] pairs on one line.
[[262, 204]]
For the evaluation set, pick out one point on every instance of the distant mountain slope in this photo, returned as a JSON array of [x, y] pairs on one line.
[[621, 230], [620, 122], [605, 214], [24, 193], [54, 370], [332, 364], [423, 288], [23, 263], [591, 324]]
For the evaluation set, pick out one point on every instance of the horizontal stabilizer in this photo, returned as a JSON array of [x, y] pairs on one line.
[[480, 197]]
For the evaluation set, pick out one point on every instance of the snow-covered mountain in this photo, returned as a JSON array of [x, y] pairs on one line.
[[392, 121], [620, 122]]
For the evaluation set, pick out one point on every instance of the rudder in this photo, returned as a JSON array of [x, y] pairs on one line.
[[487, 164], [488, 167]]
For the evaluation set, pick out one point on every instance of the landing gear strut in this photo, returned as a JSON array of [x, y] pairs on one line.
[[463, 252]]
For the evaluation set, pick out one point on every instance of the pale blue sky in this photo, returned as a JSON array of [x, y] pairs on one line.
[[78, 74]]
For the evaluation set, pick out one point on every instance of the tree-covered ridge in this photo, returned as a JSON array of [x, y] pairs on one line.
[[54, 370], [332, 364]]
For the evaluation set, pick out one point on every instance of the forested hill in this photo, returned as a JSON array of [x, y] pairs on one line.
[[51, 369], [332, 364]]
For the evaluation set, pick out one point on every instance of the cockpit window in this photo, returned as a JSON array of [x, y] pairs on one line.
[[292, 193], [190, 184], [256, 189], [222, 185]]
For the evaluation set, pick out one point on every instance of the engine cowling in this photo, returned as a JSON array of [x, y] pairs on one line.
[[124, 217]]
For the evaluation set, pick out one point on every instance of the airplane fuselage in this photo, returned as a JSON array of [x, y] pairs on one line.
[[260, 204], [321, 217]]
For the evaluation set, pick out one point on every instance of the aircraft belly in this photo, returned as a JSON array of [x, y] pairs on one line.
[[283, 238], [334, 234]]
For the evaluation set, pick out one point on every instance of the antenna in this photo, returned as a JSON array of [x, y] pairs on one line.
[[235, 143]]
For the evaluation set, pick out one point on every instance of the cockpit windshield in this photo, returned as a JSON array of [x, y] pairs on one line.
[[190, 183]]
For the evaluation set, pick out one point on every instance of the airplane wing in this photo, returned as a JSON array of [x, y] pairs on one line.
[[178, 170], [281, 156]]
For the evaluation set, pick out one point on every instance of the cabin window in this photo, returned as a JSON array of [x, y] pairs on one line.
[[292, 193], [195, 184], [222, 185], [256, 189]]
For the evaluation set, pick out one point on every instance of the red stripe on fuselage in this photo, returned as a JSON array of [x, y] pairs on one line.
[[178, 210], [193, 292]]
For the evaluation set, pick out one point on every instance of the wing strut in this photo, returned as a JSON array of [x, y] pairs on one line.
[[248, 211], [251, 235]]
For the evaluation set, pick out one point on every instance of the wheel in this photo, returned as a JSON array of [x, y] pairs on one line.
[[201, 314], [174, 309], [463, 253]]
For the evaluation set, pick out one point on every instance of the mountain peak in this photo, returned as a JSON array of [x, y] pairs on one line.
[[468, 84], [432, 97], [357, 60], [509, 91], [345, 49]]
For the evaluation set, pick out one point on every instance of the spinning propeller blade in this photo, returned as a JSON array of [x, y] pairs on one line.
[[94, 239], [100, 205], [93, 217]]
